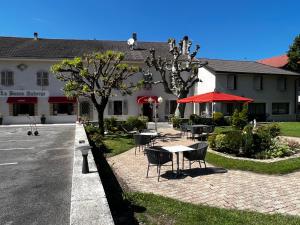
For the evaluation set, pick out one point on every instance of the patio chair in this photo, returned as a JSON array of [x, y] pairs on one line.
[[185, 129], [197, 155], [196, 131], [205, 132], [158, 157], [140, 141]]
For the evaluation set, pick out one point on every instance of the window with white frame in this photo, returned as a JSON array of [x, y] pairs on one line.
[[231, 82], [7, 78], [117, 107], [281, 83], [280, 108], [42, 78], [258, 83]]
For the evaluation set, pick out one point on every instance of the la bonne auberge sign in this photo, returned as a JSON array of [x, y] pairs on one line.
[[23, 93]]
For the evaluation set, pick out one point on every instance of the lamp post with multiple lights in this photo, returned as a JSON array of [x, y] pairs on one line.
[[159, 101]]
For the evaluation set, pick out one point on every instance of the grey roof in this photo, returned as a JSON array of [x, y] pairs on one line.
[[248, 67], [12, 47]]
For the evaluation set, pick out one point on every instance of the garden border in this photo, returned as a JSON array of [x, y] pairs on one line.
[[88, 200]]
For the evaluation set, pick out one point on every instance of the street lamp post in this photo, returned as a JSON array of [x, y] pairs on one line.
[[151, 101]]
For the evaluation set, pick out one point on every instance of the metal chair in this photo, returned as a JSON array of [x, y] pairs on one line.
[[205, 132], [158, 157], [185, 129], [197, 155], [141, 141]]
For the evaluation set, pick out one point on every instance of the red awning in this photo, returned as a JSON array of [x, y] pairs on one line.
[[61, 99], [214, 97], [144, 99], [22, 100]]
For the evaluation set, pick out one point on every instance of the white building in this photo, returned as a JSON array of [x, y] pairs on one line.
[[275, 91], [27, 87]]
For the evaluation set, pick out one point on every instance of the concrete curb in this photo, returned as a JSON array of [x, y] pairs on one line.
[[89, 205]]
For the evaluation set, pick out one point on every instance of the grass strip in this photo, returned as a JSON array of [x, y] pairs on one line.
[[153, 209]]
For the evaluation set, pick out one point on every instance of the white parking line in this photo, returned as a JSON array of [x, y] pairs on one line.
[[6, 164], [14, 140], [10, 149]]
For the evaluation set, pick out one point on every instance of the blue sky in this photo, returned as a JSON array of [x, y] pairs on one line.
[[231, 29]]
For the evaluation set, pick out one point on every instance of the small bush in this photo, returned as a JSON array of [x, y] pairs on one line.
[[274, 130], [229, 142], [212, 140], [97, 139], [262, 139], [240, 119], [111, 124], [91, 129], [218, 119], [134, 122], [175, 121], [248, 141]]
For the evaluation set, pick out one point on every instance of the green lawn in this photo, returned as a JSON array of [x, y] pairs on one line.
[[153, 209], [117, 144], [290, 129], [280, 167]]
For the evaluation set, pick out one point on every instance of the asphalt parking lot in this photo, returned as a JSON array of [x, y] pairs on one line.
[[36, 175]]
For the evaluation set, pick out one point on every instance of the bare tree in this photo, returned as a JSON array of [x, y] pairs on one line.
[[179, 73]]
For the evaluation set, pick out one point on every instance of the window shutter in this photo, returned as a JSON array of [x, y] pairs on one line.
[[167, 107], [235, 82], [39, 79], [110, 108], [125, 107], [3, 78], [10, 78], [45, 79]]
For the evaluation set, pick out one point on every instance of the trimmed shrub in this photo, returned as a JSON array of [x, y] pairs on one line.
[[229, 142], [212, 140], [240, 119], [175, 121], [262, 139], [218, 118], [134, 122], [111, 124], [274, 129], [248, 141], [91, 129]]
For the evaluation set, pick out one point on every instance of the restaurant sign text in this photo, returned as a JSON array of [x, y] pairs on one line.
[[23, 93]]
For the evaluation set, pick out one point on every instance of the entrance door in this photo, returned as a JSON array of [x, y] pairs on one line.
[[147, 110]]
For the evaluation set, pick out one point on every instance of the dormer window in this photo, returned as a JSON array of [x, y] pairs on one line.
[[42, 78], [7, 78]]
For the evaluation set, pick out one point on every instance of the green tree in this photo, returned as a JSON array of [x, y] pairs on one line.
[[179, 72], [294, 55], [95, 76]]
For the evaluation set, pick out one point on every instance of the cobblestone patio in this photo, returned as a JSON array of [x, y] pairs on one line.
[[212, 186]]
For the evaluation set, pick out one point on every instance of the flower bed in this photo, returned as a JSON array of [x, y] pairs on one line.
[[258, 143]]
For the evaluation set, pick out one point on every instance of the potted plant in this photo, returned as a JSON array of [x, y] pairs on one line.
[[43, 119], [1, 119]]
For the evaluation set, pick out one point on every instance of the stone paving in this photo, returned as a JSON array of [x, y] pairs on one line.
[[212, 186]]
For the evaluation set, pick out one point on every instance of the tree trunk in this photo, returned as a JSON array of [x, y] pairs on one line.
[[179, 112], [100, 112]]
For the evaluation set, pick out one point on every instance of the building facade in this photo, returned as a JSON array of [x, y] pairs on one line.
[[28, 90], [275, 91]]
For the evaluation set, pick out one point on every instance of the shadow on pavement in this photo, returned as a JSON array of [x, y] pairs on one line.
[[122, 210]]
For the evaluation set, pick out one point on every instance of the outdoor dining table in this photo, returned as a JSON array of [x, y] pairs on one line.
[[177, 149]]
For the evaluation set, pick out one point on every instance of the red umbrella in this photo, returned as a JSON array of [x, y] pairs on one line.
[[214, 97]]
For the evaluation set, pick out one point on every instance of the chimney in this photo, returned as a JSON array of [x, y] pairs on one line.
[[185, 45], [134, 36], [35, 35]]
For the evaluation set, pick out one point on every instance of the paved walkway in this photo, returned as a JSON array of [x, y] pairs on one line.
[[213, 186]]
